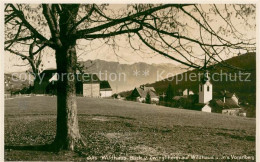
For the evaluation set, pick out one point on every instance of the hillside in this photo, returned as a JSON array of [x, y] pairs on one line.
[[15, 82], [245, 90], [124, 77], [124, 128]]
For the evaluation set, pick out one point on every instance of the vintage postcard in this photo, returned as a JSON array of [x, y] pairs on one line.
[[165, 81]]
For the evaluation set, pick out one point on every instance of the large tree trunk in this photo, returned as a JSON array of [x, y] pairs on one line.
[[67, 135]]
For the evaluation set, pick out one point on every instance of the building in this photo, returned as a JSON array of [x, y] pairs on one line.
[[87, 85], [229, 96], [205, 93], [187, 92], [229, 104], [232, 111], [139, 94], [206, 108], [205, 90], [105, 89], [43, 83], [90, 84]]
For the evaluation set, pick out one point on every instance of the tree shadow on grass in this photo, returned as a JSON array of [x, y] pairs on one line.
[[47, 147]]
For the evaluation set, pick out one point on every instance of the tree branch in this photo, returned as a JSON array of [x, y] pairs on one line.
[[164, 54], [127, 18]]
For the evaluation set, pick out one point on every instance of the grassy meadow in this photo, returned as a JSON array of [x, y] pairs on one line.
[[114, 128]]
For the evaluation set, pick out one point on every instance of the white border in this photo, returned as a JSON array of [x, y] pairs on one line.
[[124, 2]]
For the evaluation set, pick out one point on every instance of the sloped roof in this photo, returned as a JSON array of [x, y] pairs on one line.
[[205, 79], [229, 103], [143, 92], [227, 94], [48, 73], [105, 86], [149, 89], [177, 98]]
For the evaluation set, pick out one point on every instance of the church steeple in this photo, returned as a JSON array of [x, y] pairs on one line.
[[205, 87]]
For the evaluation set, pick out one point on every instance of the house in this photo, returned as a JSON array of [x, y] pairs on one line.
[[87, 85], [42, 82], [229, 96], [139, 94], [229, 104], [188, 92], [105, 89]]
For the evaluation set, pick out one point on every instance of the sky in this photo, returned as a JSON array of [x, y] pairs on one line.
[[98, 49]]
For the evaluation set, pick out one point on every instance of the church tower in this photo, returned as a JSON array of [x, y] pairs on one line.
[[205, 89]]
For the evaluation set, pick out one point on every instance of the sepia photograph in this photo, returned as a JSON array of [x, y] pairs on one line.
[[129, 81]]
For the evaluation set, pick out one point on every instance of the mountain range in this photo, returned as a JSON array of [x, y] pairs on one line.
[[124, 77]]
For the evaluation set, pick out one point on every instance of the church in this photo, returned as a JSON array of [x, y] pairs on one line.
[[205, 92], [228, 104]]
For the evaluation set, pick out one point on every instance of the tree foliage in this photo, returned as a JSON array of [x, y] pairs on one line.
[[169, 93], [148, 98], [181, 32], [185, 33]]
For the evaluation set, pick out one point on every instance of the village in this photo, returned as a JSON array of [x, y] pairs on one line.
[[129, 81], [89, 85], [203, 101]]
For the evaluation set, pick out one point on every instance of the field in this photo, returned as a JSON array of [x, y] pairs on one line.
[[113, 128]]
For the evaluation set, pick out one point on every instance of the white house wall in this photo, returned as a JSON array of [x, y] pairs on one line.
[[91, 90], [105, 93]]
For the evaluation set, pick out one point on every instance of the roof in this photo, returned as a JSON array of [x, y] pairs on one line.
[[143, 92], [229, 104], [227, 94], [149, 89], [105, 86], [177, 98], [205, 78], [48, 73]]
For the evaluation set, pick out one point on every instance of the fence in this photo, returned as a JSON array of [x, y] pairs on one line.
[[10, 96]]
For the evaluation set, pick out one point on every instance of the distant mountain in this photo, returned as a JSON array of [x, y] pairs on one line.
[[245, 88], [124, 77], [121, 77]]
